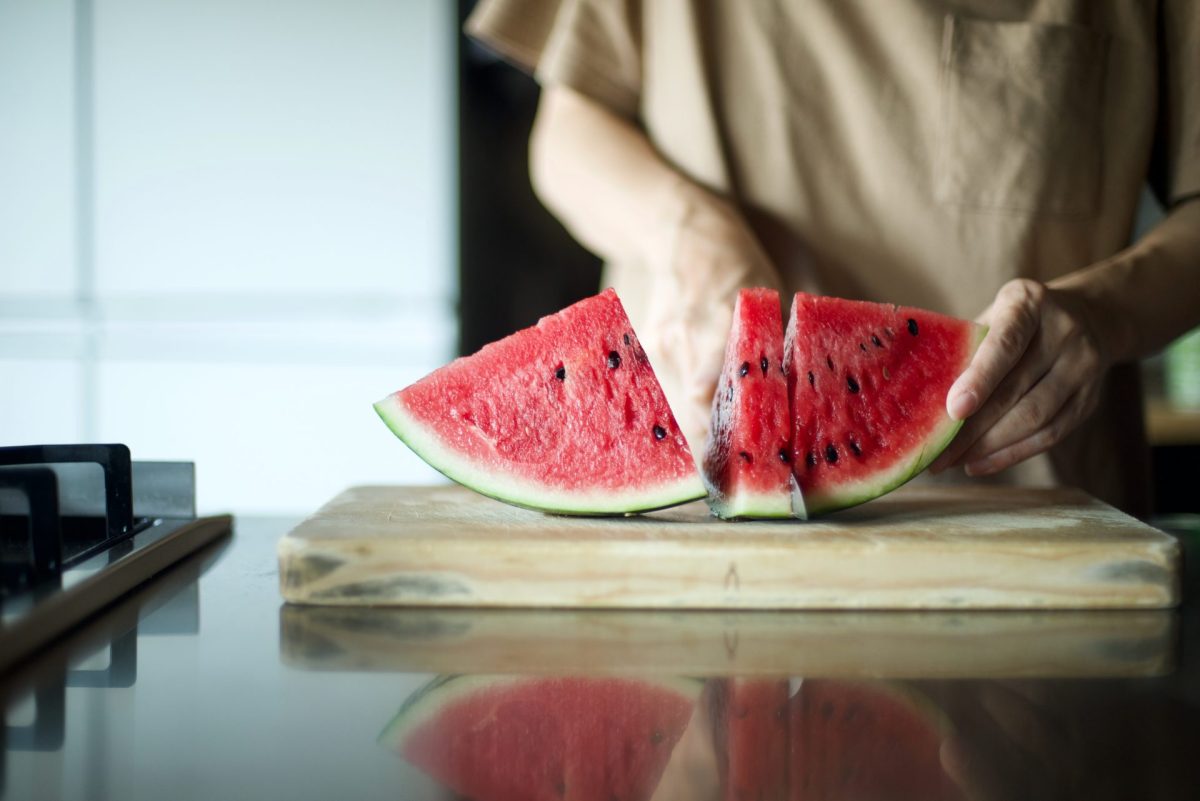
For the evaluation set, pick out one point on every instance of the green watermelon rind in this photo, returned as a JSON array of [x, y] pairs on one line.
[[859, 492], [602, 502], [422, 705], [428, 699]]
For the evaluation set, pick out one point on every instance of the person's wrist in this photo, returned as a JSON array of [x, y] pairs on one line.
[[1090, 294]]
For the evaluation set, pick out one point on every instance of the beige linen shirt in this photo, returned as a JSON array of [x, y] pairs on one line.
[[918, 152]]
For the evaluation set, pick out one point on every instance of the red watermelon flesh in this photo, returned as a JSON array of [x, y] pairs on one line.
[[505, 738], [750, 737], [866, 741], [868, 385], [747, 462], [566, 417]]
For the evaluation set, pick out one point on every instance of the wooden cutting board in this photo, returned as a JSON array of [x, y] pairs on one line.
[[918, 548]]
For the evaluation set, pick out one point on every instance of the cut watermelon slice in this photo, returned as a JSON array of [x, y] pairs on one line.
[[750, 737], [852, 739], [565, 417], [868, 385], [747, 462], [506, 738]]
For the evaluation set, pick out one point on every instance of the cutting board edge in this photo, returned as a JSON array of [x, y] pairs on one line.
[[302, 557]]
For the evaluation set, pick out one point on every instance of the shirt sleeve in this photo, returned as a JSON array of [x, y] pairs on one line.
[[1175, 165], [591, 46]]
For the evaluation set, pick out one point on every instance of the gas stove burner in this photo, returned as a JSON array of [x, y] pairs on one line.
[[81, 525]]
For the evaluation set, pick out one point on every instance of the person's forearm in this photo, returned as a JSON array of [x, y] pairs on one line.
[[1148, 294], [603, 179]]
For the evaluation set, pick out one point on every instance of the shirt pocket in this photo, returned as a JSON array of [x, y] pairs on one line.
[[1021, 109]]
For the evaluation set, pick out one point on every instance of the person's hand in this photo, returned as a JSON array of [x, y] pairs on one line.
[[1016, 740], [707, 257], [1035, 377]]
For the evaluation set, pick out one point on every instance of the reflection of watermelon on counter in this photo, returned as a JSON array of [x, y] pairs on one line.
[[866, 740], [750, 737], [510, 738], [568, 417]]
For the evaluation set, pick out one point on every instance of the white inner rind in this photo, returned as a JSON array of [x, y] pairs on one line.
[[503, 486], [752, 504]]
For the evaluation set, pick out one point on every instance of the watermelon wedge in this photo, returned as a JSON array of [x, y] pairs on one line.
[[747, 461], [868, 384], [512, 738], [564, 417], [750, 737], [857, 739]]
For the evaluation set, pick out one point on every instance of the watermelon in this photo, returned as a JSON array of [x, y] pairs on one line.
[[512, 738], [866, 740], [747, 461], [564, 417], [868, 385], [750, 737]]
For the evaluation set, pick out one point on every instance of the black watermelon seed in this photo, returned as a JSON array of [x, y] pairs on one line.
[[829, 361], [810, 459], [745, 369], [862, 347], [561, 373], [852, 384], [811, 380], [628, 341], [656, 737], [745, 456], [614, 359], [831, 454], [764, 364], [659, 432], [912, 326], [875, 341], [854, 447], [783, 456]]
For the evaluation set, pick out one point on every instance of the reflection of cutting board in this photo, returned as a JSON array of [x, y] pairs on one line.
[[920, 547], [916, 645]]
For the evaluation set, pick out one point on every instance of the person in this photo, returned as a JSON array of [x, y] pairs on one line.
[[975, 159]]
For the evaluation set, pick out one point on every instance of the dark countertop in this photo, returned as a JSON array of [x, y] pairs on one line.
[[203, 685]]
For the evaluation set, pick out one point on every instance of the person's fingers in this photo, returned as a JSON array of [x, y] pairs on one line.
[[969, 768], [1030, 414], [1035, 363], [1027, 725], [1013, 319], [1039, 441]]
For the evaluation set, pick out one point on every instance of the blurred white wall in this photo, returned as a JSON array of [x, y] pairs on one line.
[[226, 227]]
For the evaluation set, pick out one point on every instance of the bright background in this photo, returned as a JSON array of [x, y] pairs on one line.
[[226, 228]]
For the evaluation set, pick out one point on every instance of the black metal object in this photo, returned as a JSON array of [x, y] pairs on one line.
[[49, 539], [48, 729], [118, 474], [32, 544]]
